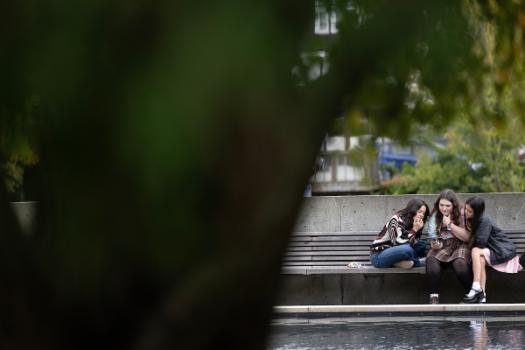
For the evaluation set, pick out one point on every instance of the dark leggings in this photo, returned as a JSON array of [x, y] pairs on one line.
[[461, 268]]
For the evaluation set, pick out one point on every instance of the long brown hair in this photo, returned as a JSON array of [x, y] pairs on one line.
[[449, 195], [477, 204], [407, 214]]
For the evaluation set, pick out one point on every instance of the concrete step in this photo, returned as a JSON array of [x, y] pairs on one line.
[[334, 314], [398, 308]]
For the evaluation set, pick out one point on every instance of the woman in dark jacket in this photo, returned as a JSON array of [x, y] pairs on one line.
[[492, 247]]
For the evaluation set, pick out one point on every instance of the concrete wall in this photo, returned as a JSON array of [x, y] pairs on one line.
[[368, 213], [412, 288]]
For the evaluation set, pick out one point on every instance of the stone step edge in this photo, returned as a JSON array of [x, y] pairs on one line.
[[398, 308]]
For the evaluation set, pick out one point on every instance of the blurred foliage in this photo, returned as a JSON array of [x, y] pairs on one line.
[[482, 143], [469, 88], [405, 83], [177, 144], [18, 145], [460, 50], [476, 158]]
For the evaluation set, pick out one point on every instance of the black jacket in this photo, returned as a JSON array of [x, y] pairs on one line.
[[488, 235]]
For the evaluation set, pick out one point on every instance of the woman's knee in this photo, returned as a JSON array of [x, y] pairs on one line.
[[405, 252], [476, 252], [432, 261], [460, 265], [433, 265]]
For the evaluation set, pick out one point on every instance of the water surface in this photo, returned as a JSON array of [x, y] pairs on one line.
[[478, 334]]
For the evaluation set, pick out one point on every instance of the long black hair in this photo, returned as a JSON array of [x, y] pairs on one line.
[[478, 207], [407, 214], [449, 195]]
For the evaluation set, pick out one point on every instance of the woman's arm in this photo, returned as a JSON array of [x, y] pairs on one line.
[[461, 233]]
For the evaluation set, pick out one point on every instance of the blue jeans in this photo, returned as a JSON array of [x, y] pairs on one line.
[[390, 256]]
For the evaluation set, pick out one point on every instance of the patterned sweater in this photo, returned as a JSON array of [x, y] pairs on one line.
[[394, 233]]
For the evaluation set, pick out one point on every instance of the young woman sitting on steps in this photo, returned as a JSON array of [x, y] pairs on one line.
[[491, 248], [399, 244], [449, 244]]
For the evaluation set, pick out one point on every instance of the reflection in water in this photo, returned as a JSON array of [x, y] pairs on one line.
[[479, 334], [400, 335]]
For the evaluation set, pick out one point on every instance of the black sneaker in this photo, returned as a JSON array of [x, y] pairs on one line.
[[477, 298], [483, 300]]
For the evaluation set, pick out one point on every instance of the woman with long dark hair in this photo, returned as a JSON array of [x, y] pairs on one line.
[[449, 243], [491, 248], [399, 244]]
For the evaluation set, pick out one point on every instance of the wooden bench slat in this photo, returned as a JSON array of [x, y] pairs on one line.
[[335, 233], [319, 233], [334, 243], [326, 248], [331, 238], [347, 238], [321, 263], [345, 259], [313, 270], [330, 252]]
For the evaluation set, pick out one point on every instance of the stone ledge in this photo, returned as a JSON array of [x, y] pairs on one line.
[[318, 270]]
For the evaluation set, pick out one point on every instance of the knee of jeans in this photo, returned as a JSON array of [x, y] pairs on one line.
[[409, 253]]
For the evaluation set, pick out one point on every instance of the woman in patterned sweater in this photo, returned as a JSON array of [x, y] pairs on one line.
[[398, 244]]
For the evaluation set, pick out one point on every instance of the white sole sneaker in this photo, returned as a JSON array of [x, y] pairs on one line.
[[404, 264]]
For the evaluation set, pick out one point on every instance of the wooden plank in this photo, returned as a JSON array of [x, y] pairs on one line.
[[335, 239], [300, 249], [334, 258], [335, 233], [340, 239], [300, 239], [519, 243], [294, 270], [334, 243], [328, 252], [326, 248], [515, 234], [321, 263], [302, 270], [356, 247], [357, 253], [365, 270]]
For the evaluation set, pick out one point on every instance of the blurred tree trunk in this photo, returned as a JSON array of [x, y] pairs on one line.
[[175, 149]]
